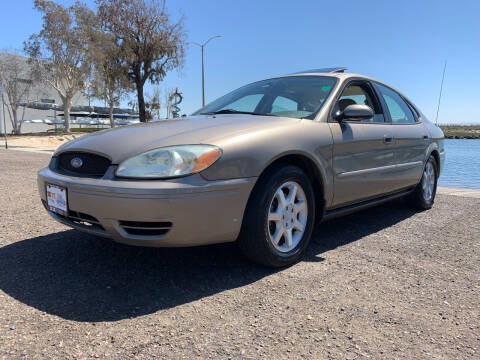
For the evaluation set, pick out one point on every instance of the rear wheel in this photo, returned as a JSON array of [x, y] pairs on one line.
[[423, 197], [279, 218]]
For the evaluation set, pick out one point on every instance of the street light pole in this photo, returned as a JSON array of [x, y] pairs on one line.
[[202, 46], [4, 122], [203, 81]]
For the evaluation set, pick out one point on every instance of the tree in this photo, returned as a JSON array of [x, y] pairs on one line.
[[167, 100], [149, 44], [18, 79], [60, 50], [109, 81], [154, 105], [111, 85]]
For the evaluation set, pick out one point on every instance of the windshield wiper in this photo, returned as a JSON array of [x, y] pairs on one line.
[[231, 111]]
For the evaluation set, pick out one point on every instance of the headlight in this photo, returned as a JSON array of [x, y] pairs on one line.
[[169, 162]]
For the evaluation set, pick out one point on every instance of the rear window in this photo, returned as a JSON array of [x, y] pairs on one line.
[[400, 111]]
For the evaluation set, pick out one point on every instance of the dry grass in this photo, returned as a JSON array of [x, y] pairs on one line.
[[461, 131]]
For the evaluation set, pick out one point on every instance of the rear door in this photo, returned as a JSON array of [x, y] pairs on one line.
[[362, 151], [411, 137]]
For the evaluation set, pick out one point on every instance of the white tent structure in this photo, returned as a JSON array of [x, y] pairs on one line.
[[83, 121]]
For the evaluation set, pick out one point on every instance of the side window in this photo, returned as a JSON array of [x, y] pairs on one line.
[[282, 104], [246, 103], [399, 111], [360, 94]]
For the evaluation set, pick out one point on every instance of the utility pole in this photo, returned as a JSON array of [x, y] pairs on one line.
[[202, 46], [440, 95], [4, 122]]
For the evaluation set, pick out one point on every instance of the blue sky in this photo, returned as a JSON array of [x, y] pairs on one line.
[[403, 43]]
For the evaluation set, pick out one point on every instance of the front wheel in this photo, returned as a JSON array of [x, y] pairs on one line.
[[279, 218], [423, 197]]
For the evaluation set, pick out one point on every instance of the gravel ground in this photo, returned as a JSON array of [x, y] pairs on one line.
[[383, 283]]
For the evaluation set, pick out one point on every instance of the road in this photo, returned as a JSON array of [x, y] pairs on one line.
[[383, 283]]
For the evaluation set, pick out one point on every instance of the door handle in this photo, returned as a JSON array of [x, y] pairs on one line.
[[388, 139]]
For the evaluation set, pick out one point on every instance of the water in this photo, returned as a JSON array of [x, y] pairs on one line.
[[462, 165]]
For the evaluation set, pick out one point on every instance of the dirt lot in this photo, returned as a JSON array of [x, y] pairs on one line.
[[384, 283], [43, 141]]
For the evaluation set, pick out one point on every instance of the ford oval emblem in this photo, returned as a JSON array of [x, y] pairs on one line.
[[76, 162]]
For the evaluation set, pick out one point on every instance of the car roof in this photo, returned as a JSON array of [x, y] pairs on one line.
[[337, 69], [338, 72]]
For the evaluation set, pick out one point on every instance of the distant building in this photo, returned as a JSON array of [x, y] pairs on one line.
[[39, 93]]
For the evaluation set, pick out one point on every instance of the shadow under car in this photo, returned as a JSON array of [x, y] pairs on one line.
[[84, 278]]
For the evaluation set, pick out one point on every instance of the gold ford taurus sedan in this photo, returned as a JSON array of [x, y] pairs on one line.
[[260, 166]]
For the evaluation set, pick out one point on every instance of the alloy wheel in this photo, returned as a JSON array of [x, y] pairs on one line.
[[428, 181], [287, 216]]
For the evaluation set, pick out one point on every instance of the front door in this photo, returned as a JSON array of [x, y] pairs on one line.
[[363, 151]]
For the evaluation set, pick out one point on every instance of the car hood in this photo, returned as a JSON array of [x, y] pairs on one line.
[[123, 142]]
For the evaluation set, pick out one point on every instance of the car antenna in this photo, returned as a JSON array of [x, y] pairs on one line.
[[440, 95]]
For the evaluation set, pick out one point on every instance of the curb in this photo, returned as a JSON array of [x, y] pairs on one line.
[[471, 193], [28, 149]]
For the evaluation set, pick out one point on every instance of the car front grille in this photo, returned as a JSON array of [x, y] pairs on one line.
[[145, 228], [87, 164]]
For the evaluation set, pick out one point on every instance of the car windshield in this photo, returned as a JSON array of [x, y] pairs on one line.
[[298, 97]]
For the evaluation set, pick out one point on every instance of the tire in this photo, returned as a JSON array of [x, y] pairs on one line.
[[271, 232], [423, 197]]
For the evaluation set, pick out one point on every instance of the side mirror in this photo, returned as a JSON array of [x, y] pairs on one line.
[[355, 113]]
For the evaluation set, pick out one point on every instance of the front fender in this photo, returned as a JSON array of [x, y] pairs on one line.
[[248, 155]]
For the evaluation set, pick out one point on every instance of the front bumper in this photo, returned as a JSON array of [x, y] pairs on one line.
[[187, 211]]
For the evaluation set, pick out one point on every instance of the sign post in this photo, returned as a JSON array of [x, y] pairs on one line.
[[4, 122], [52, 101]]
